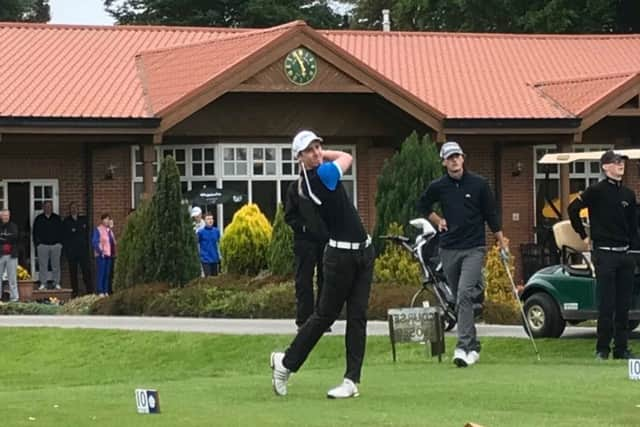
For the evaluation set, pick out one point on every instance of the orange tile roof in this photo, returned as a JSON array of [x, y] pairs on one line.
[[578, 95], [91, 72], [173, 73]]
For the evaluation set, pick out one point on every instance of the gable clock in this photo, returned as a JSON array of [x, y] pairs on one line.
[[300, 66]]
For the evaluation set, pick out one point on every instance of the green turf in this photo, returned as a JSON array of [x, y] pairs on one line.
[[87, 378]]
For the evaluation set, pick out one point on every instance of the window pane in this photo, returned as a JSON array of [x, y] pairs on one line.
[[271, 168], [229, 154], [258, 168], [241, 153], [48, 192], [139, 170], [138, 189], [579, 167], [166, 153], [184, 186], [286, 154], [228, 169], [230, 208], [264, 195], [594, 167], [137, 155], [286, 169], [208, 154], [257, 154], [196, 154], [182, 168], [37, 192], [180, 155], [196, 169], [209, 169], [270, 154], [242, 169]]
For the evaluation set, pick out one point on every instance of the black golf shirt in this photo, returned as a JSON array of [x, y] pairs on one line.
[[466, 204], [612, 214]]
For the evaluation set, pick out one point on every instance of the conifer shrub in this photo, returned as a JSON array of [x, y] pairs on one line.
[[132, 301], [396, 265], [403, 179], [245, 242], [500, 305], [129, 266], [170, 252], [280, 257]]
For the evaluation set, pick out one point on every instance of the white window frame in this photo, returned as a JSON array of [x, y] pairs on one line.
[[587, 175], [219, 176], [4, 197]]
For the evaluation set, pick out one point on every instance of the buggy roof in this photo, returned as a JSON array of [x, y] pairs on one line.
[[561, 158]]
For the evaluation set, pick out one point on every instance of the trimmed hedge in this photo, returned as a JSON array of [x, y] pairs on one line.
[[29, 308]]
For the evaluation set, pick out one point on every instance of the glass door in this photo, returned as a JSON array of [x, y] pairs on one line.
[[41, 191]]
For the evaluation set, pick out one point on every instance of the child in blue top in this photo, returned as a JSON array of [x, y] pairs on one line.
[[208, 238]]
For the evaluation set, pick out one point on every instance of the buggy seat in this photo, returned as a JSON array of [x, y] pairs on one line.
[[575, 255]]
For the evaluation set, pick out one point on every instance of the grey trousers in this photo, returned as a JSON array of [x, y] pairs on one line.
[[46, 253], [463, 269], [10, 265]]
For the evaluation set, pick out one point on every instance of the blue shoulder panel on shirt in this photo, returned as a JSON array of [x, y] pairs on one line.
[[329, 174]]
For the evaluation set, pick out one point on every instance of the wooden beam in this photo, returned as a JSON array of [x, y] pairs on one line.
[[563, 147], [626, 112], [509, 131], [75, 131]]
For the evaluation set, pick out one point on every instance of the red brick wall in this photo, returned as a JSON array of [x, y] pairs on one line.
[[369, 166]]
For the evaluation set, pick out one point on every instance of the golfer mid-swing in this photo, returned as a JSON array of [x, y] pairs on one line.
[[347, 264]]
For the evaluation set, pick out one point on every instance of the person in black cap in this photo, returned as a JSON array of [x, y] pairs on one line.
[[467, 203], [614, 229], [348, 267]]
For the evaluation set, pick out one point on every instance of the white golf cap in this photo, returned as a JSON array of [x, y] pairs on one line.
[[196, 211], [449, 149], [302, 140]]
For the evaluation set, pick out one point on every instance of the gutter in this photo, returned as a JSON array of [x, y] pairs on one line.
[[79, 124]]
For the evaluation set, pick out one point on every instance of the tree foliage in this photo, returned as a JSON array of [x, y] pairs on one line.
[[25, 10], [501, 306], [502, 16], [129, 268], [280, 256], [403, 179], [245, 242], [229, 13], [170, 253]]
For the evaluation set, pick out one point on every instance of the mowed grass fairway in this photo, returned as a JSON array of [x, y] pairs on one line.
[[87, 378]]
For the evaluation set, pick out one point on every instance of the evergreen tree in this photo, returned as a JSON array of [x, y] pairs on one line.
[[280, 255], [25, 10], [403, 179], [129, 268], [170, 253]]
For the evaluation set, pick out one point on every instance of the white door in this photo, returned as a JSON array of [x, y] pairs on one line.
[[41, 191]]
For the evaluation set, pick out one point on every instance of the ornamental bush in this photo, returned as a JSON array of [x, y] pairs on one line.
[[501, 306], [129, 267], [280, 258], [245, 242], [403, 179], [170, 253], [395, 264]]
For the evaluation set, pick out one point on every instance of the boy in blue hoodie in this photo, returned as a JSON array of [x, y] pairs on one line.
[[208, 238]]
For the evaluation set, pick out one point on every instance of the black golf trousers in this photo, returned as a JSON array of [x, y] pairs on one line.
[[614, 275], [308, 256], [347, 279]]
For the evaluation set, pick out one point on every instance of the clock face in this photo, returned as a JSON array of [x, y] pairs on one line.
[[300, 66]]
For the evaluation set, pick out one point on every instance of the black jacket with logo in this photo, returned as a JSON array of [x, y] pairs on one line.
[[9, 236], [466, 204]]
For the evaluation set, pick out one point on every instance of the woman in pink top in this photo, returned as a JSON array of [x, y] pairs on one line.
[[104, 248]]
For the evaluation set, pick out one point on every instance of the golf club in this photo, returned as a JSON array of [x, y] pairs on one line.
[[504, 256]]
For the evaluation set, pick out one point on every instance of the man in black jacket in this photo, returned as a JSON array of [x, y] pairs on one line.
[[76, 248], [467, 203], [614, 229], [310, 237], [9, 252], [47, 238]]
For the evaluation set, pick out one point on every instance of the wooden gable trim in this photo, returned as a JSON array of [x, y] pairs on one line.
[[235, 76], [610, 103]]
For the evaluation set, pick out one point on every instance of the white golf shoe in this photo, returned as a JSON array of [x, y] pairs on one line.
[[279, 374], [473, 357], [460, 358], [344, 391]]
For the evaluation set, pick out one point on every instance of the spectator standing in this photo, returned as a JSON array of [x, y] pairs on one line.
[[208, 239], [76, 248], [196, 215], [9, 252], [47, 238], [103, 242]]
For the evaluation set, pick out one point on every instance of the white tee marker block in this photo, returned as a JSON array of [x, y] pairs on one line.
[[147, 401]]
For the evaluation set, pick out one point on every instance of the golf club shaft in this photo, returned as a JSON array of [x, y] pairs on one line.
[[524, 317]]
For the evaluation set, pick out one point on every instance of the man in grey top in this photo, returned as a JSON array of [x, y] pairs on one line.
[[467, 203]]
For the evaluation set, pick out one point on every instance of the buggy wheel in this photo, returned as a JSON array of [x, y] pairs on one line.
[[448, 321], [633, 324], [543, 316], [418, 298]]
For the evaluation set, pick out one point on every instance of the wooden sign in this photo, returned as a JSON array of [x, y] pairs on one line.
[[419, 325]]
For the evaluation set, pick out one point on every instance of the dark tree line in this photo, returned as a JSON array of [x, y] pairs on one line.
[[24, 10]]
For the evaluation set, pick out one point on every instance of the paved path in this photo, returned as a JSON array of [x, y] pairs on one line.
[[235, 326]]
